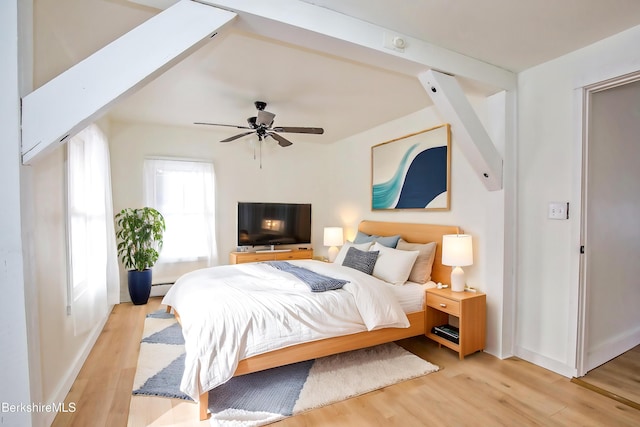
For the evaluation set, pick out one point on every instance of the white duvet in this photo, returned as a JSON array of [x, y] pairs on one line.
[[230, 313]]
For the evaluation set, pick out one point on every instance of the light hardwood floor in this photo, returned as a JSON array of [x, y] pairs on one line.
[[478, 391], [619, 377]]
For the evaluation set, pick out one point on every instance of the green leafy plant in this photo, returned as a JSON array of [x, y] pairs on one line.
[[139, 232]]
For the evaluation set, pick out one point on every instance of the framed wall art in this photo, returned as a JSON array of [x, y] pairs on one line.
[[413, 171]]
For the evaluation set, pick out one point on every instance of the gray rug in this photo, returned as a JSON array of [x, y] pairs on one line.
[[264, 397]]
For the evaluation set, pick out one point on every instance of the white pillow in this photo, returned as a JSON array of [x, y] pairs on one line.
[[393, 265], [343, 250]]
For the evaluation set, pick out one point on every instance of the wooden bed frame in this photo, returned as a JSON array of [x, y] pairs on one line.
[[415, 233]]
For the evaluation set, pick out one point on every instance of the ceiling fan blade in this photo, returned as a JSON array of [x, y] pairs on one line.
[[317, 131], [218, 124], [283, 142], [233, 138], [265, 118]]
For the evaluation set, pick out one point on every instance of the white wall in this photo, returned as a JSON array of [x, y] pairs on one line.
[[296, 174], [549, 169], [43, 374], [14, 354], [61, 352], [477, 211]]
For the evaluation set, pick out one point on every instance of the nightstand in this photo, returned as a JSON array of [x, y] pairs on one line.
[[471, 310]]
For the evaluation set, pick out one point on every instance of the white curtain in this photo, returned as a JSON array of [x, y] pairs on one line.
[[183, 191], [94, 281]]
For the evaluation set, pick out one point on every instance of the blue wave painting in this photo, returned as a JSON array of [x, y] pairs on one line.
[[425, 179], [386, 193]]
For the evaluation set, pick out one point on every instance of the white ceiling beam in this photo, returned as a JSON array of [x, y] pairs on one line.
[[324, 30], [467, 129], [80, 95]]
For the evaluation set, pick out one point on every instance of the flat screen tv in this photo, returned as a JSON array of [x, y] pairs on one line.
[[265, 224]]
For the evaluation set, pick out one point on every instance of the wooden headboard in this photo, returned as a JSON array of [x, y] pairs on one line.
[[416, 233]]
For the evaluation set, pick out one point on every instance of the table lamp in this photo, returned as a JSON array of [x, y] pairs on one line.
[[457, 252], [333, 237]]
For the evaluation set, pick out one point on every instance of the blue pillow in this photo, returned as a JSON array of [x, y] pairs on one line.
[[361, 260], [388, 241]]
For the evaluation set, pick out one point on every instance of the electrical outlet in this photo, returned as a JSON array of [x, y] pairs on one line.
[[558, 210]]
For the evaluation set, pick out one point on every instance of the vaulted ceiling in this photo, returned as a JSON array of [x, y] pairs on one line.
[[305, 87]]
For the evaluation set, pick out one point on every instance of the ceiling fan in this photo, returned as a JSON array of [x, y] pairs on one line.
[[262, 125]]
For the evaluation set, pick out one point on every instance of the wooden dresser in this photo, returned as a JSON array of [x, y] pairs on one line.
[[243, 257]]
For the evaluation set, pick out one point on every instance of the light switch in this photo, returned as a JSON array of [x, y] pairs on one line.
[[558, 210]]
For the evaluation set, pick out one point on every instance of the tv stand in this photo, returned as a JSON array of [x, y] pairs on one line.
[[276, 255]]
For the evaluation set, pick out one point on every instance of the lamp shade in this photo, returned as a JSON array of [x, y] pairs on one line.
[[333, 236], [457, 250]]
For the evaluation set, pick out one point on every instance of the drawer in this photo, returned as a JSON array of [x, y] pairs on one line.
[[443, 304], [243, 257], [255, 258], [283, 256]]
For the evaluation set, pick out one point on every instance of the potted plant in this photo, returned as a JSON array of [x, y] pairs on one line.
[[139, 233]]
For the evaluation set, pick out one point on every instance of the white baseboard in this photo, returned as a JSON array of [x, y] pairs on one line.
[[546, 362], [160, 290], [611, 348]]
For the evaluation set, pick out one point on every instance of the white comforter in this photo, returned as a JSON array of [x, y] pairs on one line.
[[230, 313]]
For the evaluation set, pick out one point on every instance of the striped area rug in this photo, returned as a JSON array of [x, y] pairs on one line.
[[264, 397]]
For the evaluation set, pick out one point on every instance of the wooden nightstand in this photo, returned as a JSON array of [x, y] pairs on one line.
[[471, 310]]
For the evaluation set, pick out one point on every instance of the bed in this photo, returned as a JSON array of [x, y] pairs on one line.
[[332, 338]]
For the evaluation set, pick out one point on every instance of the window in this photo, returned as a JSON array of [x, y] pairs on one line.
[[93, 267], [184, 193]]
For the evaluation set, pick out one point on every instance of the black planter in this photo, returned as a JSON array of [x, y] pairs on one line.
[[139, 285]]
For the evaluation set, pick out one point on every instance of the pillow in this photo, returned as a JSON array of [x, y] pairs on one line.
[[388, 241], [421, 271], [393, 265], [343, 250], [361, 260]]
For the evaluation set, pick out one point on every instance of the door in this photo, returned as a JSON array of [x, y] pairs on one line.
[[611, 225]]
